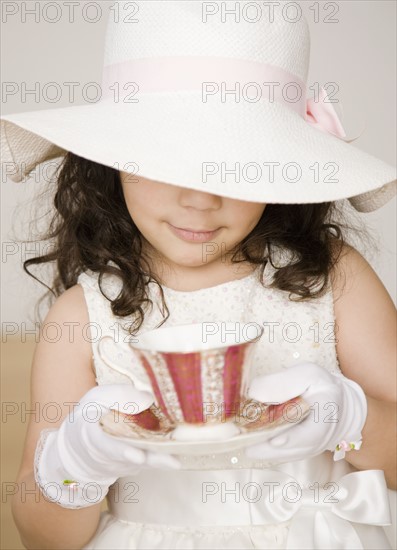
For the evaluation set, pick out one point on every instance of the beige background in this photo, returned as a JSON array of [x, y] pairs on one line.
[[358, 53]]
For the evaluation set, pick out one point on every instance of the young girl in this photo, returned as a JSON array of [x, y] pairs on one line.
[[153, 229]]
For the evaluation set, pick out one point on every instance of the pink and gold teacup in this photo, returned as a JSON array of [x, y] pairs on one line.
[[198, 374]]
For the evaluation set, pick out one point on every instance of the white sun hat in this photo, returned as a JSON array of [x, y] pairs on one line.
[[219, 104]]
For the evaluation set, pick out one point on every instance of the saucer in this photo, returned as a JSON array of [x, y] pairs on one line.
[[162, 441], [167, 445]]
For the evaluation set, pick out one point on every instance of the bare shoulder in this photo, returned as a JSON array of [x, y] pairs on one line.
[[62, 369], [365, 318], [65, 326], [350, 268], [71, 302]]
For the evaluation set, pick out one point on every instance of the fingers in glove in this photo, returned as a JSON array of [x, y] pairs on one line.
[[121, 448], [281, 386], [104, 447], [123, 397], [295, 443], [162, 460]]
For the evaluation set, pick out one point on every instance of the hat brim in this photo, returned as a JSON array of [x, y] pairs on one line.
[[226, 149]]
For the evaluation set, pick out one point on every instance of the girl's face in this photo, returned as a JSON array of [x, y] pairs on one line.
[[157, 207]]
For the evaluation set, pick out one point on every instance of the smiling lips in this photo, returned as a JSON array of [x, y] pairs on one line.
[[192, 235]]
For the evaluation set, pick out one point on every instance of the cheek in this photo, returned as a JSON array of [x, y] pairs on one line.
[[246, 218], [142, 200]]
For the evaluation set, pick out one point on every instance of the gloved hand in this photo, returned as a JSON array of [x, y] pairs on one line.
[[76, 464], [338, 411]]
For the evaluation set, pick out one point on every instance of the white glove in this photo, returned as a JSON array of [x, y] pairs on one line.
[[338, 411], [82, 453]]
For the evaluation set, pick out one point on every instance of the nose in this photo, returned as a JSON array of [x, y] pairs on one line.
[[199, 200]]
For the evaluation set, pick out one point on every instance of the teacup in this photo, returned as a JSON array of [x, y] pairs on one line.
[[198, 374]]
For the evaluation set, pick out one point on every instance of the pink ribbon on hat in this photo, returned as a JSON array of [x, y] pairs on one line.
[[176, 73], [323, 116]]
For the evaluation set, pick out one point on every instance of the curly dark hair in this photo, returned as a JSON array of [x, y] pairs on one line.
[[92, 226]]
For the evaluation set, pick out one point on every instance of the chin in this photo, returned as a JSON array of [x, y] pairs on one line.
[[195, 260]]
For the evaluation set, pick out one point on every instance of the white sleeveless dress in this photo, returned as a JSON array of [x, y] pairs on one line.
[[227, 500]]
